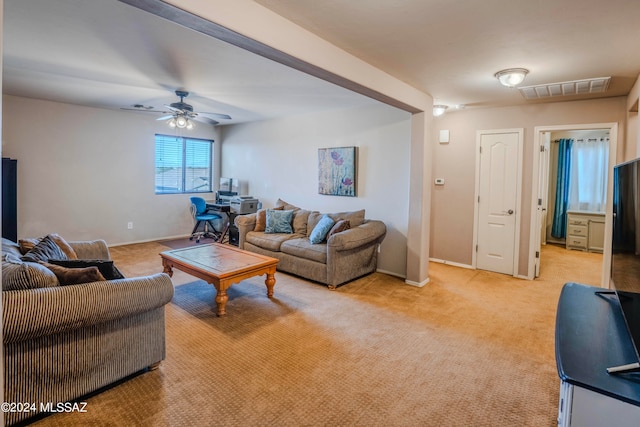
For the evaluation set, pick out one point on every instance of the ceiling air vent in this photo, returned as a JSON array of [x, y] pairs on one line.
[[575, 87]]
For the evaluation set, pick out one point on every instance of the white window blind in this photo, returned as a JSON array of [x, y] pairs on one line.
[[183, 165]]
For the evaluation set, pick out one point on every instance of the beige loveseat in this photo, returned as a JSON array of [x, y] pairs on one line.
[[63, 342], [342, 257]]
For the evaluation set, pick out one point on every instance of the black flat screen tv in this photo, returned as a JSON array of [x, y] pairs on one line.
[[625, 254]]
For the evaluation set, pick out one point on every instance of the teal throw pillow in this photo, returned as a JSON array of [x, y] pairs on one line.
[[278, 221], [321, 229]]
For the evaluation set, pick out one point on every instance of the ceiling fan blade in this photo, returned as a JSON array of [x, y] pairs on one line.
[[164, 117], [144, 111], [174, 109], [205, 120], [218, 115]]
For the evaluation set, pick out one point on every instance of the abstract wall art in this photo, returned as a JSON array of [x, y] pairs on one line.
[[337, 171]]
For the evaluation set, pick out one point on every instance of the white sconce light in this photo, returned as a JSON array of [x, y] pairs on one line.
[[512, 77], [439, 110]]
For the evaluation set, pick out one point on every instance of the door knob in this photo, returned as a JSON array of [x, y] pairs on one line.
[[509, 212]]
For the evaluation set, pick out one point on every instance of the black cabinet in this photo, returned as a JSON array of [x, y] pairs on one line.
[[9, 199]]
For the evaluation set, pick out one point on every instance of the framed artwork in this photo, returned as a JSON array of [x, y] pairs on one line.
[[337, 171]]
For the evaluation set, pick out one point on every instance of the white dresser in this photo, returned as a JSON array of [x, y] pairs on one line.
[[585, 231]]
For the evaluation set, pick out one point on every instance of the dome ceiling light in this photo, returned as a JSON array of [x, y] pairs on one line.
[[511, 77]]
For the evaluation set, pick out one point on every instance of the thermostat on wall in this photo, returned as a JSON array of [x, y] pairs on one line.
[[439, 181]]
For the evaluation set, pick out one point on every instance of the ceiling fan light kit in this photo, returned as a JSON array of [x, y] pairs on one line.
[[511, 77]]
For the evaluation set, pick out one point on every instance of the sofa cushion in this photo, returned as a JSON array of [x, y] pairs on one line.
[[261, 218], [74, 276], [279, 221], [269, 242], [44, 250], [338, 227], [19, 275], [303, 248], [286, 206], [106, 267], [319, 232], [300, 218], [355, 218]]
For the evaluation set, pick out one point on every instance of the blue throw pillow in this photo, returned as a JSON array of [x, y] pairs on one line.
[[321, 229], [278, 221]]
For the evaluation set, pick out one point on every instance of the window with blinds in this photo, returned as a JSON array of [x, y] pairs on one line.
[[183, 165]]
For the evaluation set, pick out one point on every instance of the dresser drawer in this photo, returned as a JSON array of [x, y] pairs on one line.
[[577, 220], [577, 230], [577, 242]]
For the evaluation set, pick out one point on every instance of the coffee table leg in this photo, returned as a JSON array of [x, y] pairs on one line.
[[270, 282], [167, 268], [221, 301]]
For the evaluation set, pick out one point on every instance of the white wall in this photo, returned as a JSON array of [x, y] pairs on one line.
[[279, 159], [86, 172]]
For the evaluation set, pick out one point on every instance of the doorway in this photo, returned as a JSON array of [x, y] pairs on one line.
[[543, 171]]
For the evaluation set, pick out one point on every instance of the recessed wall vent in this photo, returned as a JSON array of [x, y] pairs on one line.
[[575, 87]]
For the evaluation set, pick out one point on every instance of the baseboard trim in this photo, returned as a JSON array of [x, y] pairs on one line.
[[455, 264], [417, 284], [156, 239]]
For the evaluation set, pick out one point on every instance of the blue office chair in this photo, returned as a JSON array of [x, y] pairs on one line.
[[200, 215]]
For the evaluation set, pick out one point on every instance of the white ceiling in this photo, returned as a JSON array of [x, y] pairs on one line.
[[104, 53]]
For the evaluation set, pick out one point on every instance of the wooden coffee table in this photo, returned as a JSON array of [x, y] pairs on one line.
[[222, 266]]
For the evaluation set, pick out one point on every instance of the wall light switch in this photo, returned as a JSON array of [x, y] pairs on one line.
[[439, 181], [444, 136]]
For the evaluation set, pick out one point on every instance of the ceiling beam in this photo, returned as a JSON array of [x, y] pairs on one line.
[[201, 25]]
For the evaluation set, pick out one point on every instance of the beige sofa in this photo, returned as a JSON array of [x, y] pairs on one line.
[[63, 342], [344, 256]]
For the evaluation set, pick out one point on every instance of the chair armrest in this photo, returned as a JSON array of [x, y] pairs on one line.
[[91, 249], [367, 232], [33, 313]]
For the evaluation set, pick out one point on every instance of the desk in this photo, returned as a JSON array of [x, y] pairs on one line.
[[224, 209]]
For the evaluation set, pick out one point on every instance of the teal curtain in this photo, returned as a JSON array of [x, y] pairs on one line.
[[559, 227]]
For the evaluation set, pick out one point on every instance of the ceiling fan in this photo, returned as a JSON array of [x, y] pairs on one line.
[[181, 113]]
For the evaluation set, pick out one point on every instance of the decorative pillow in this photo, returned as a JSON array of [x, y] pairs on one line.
[[279, 221], [18, 275], [44, 250], [338, 227], [261, 218], [106, 267], [27, 244], [74, 276], [321, 229], [66, 247]]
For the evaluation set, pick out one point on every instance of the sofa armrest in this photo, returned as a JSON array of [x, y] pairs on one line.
[[91, 249], [245, 224], [33, 313], [367, 232]]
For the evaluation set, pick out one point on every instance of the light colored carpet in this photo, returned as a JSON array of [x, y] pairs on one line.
[[471, 348]]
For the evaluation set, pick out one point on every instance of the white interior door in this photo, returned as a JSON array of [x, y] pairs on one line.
[[498, 201], [543, 198]]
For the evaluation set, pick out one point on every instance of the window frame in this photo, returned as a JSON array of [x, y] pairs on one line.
[[184, 142]]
